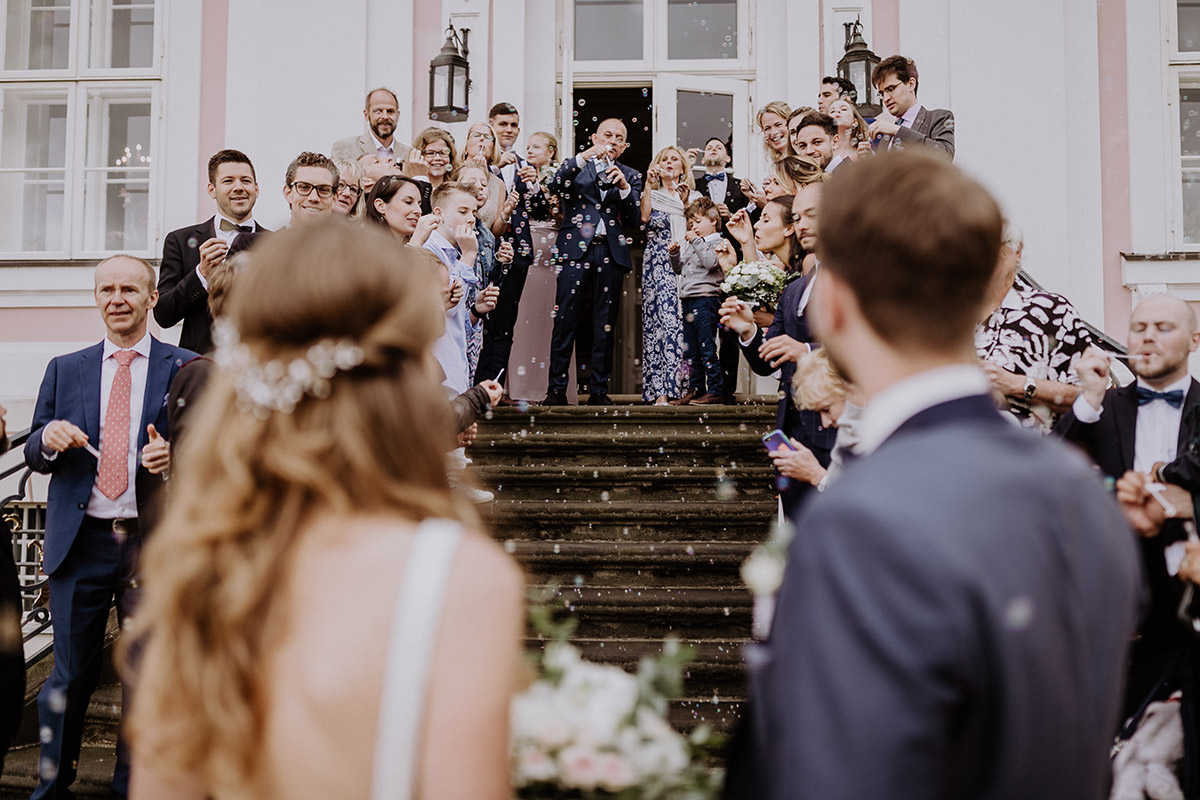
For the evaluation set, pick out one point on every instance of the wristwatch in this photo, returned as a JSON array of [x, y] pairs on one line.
[[1030, 388]]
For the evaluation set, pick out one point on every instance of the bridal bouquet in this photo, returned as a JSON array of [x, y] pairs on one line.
[[592, 731], [758, 283]]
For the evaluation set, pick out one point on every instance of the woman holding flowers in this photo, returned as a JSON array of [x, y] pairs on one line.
[[670, 188]]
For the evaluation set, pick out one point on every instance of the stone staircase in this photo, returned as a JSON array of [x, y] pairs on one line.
[[640, 516]]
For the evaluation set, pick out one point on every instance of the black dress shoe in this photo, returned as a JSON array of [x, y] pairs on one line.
[[555, 399], [600, 400]]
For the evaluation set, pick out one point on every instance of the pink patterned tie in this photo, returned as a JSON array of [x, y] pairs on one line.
[[114, 450]]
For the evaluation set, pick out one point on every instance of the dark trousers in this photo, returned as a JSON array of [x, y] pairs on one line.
[[12, 655], [731, 353], [499, 325], [596, 280], [700, 344], [99, 569]]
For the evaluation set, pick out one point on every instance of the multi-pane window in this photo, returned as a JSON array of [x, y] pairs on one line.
[[79, 100], [696, 31]]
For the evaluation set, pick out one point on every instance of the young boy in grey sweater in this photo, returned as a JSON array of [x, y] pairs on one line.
[[695, 260]]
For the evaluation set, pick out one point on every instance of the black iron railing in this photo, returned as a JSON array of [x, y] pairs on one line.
[[25, 524]]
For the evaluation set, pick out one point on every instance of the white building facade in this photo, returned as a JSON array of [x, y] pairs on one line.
[[1082, 116]]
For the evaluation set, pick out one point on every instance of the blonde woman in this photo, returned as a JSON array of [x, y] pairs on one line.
[[347, 198], [480, 148], [254, 681], [772, 121], [669, 188]]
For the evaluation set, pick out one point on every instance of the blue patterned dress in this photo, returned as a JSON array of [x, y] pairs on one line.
[[662, 326]]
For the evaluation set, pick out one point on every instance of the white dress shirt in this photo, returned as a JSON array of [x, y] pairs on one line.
[[225, 236], [450, 349], [125, 506], [388, 152], [835, 163], [717, 189], [601, 228], [903, 400], [1156, 435]]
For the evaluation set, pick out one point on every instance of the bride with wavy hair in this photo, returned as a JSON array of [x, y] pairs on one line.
[[322, 617]]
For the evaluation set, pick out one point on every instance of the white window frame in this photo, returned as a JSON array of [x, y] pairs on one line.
[[81, 80], [1182, 69], [654, 59]]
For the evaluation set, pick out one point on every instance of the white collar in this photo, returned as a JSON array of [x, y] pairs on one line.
[[142, 348], [910, 116], [903, 400], [380, 145]]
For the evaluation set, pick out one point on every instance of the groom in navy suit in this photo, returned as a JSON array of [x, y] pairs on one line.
[[600, 198], [98, 429]]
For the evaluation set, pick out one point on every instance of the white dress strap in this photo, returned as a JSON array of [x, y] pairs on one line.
[[410, 652]]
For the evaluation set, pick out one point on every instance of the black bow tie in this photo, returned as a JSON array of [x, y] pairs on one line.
[[1174, 397]]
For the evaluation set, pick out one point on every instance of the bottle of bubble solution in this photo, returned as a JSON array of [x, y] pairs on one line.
[[603, 164]]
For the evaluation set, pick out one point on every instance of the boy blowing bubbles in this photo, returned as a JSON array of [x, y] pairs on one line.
[[697, 262]]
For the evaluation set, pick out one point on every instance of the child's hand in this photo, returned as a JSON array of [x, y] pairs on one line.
[[690, 236], [673, 248]]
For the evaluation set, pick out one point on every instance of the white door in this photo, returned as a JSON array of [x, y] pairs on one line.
[[691, 109]]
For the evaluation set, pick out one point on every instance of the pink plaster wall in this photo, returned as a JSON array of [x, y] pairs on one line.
[[885, 27], [52, 325], [1114, 161], [214, 40]]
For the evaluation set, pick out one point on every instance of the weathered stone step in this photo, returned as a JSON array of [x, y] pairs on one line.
[[714, 420], [637, 564], [96, 762], [689, 612], [746, 521], [641, 483], [719, 713], [624, 449], [716, 666]]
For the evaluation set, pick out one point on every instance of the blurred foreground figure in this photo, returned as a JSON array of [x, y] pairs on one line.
[[956, 608], [317, 451]]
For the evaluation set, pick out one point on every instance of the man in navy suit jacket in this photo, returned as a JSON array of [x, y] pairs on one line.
[[956, 608], [594, 252], [190, 253], [112, 398]]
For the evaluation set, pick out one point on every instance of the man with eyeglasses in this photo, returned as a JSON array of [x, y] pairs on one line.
[[382, 112], [190, 254], [896, 79], [309, 186]]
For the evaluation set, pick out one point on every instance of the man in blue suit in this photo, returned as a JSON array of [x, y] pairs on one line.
[[956, 608], [98, 430], [600, 198]]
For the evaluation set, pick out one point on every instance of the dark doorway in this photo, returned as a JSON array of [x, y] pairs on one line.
[[633, 105]]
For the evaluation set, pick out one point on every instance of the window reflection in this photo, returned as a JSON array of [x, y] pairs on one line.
[[608, 30], [701, 29]]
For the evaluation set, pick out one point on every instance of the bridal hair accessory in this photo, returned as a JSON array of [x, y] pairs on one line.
[[276, 385]]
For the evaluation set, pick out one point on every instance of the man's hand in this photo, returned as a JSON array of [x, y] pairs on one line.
[[504, 253], [156, 455], [737, 316], [510, 204], [617, 178], [1189, 568], [60, 436], [485, 301], [739, 227], [798, 464], [495, 391], [467, 437], [673, 248], [1006, 383], [212, 253], [528, 173], [1092, 368], [864, 148], [416, 164], [452, 294], [464, 237], [725, 212], [1142, 510], [507, 157], [779, 349], [882, 127]]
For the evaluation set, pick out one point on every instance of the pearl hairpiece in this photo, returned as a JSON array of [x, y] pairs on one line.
[[276, 386]]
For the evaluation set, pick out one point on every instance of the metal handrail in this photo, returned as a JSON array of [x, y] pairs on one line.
[[38, 615]]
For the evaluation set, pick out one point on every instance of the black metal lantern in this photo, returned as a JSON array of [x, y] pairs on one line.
[[856, 66], [450, 78]]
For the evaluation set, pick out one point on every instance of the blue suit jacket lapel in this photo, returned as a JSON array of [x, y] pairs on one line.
[[90, 362], [158, 381]]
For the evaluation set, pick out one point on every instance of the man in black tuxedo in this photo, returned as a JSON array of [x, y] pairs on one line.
[[956, 608], [600, 198], [190, 253], [782, 346], [896, 79], [1148, 427]]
